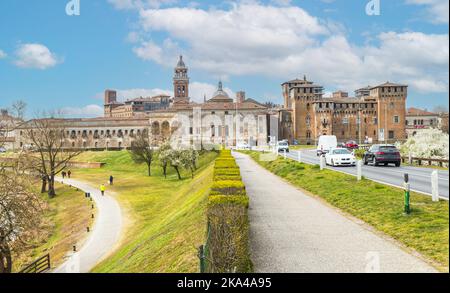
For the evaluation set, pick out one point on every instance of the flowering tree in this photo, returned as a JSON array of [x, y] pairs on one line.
[[428, 143]]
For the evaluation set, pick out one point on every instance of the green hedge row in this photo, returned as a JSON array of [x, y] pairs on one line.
[[228, 227]]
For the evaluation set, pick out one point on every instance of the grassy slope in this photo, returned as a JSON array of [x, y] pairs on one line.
[[65, 221], [168, 218], [426, 229]]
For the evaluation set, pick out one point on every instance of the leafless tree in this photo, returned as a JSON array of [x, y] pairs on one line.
[[18, 108], [47, 138], [142, 150], [20, 212]]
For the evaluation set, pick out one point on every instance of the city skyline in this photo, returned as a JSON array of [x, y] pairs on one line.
[[131, 46]]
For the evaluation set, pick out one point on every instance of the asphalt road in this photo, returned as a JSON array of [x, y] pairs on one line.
[[291, 232], [419, 178]]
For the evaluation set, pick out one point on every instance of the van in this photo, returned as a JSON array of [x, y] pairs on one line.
[[326, 143]]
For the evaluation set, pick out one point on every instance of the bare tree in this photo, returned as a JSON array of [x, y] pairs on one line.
[[20, 213], [142, 150], [47, 138], [19, 108]]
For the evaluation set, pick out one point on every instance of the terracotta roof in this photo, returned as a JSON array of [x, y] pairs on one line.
[[388, 84], [419, 112]]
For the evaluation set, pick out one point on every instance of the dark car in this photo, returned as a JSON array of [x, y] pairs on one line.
[[351, 145], [380, 154]]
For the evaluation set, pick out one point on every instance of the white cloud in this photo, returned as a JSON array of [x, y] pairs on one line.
[[2, 54], [35, 56], [437, 10], [86, 111], [255, 39]]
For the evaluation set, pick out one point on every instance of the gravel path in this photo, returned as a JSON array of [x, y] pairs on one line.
[[103, 237], [293, 232]]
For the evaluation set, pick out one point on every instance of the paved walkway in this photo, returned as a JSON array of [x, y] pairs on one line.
[[293, 232], [104, 235]]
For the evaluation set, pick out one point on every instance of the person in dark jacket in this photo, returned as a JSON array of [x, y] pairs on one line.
[[111, 180]]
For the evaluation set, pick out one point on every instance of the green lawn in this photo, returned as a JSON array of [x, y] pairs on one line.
[[66, 217], [166, 218], [425, 230]]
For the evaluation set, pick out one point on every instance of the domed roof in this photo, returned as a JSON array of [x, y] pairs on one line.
[[220, 95]]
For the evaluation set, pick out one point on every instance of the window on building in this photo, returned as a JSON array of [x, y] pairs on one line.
[[345, 120], [396, 119], [391, 134]]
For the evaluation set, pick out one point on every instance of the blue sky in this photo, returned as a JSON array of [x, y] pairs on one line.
[[55, 61]]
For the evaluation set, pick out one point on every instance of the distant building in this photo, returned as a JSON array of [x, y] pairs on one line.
[[376, 114], [418, 119]]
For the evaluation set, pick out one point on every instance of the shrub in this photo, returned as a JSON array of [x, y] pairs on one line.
[[228, 249], [226, 164], [228, 187], [219, 177]]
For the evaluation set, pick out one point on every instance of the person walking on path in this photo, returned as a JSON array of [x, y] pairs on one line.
[[63, 173], [111, 180], [69, 173], [102, 189]]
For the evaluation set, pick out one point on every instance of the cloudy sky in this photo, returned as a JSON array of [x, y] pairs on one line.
[[55, 61]]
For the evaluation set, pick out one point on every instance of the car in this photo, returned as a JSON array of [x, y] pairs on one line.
[[382, 154], [326, 143], [283, 146], [2, 150], [351, 144], [340, 157], [242, 146]]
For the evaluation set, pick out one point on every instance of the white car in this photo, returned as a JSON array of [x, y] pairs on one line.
[[283, 146], [243, 146], [340, 157]]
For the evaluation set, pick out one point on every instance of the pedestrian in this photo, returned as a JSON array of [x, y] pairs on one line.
[[63, 173], [111, 180], [69, 173], [102, 189]]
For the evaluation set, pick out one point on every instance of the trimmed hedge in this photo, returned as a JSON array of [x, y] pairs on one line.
[[228, 226]]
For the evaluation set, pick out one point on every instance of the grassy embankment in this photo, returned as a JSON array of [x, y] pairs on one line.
[[165, 218], [64, 224], [425, 230]]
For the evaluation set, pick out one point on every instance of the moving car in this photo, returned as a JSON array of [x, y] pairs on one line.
[[326, 143], [242, 146], [382, 154], [351, 144], [340, 157], [283, 146]]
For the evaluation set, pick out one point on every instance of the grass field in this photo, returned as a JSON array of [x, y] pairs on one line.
[[166, 218], [425, 230], [64, 225]]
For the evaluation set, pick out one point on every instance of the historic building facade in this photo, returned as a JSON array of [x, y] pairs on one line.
[[376, 114], [219, 120]]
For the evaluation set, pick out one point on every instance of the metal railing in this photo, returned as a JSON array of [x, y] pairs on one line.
[[40, 265], [420, 161]]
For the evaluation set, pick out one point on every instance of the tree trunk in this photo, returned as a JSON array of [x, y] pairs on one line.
[[178, 172], [44, 185], [149, 165], [5, 259], [51, 186], [165, 170]]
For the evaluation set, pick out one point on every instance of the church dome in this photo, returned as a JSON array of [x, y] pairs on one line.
[[220, 95]]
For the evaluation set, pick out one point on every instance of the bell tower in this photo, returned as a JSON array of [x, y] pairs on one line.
[[181, 83]]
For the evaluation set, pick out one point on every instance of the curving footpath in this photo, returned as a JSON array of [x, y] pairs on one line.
[[103, 237], [296, 233]]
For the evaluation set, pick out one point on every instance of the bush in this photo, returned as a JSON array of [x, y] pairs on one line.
[[228, 249], [219, 177], [225, 164], [228, 187]]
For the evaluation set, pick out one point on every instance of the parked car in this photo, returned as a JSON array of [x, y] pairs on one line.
[[326, 143], [2, 150], [351, 144], [242, 146], [380, 154], [340, 157], [283, 146]]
